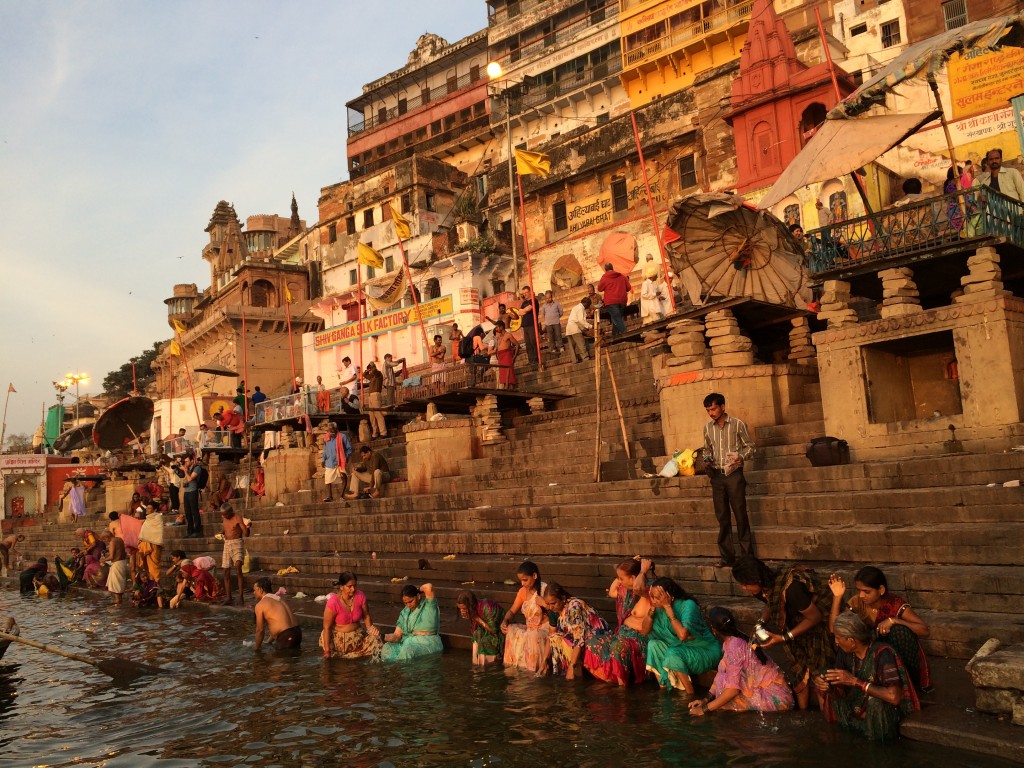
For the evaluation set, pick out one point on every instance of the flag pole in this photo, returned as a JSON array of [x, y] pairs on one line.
[[245, 368], [650, 206], [170, 389], [3, 431], [188, 374], [529, 273], [291, 344], [412, 290], [357, 384]]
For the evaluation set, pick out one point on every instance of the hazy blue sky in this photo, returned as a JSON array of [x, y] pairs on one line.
[[122, 123]]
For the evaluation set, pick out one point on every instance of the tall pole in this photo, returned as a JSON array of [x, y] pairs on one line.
[[291, 344], [3, 430], [412, 290], [650, 206], [135, 381], [245, 368], [188, 375], [529, 272], [357, 384], [511, 195], [170, 394]]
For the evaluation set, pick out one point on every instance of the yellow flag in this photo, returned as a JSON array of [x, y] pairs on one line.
[[532, 162], [402, 228], [287, 295], [175, 348], [178, 327], [369, 257]]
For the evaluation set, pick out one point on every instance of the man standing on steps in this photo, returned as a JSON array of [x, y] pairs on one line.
[[615, 286], [727, 445], [194, 480], [337, 449]]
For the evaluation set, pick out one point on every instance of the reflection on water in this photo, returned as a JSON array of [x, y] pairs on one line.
[[222, 704]]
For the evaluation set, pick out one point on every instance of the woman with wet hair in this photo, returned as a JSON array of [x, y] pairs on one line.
[[796, 607], [747, 679], [486, 616], [577, 623], [348, 630], [620, 656], [681, 646], [528, 645], [416, 633], [889, 615], [868, 689]]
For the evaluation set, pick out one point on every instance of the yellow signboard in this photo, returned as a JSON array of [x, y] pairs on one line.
[[981, 80], [382, 323], [596, 211]]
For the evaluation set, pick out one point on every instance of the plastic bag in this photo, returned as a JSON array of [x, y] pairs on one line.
[[687, 461], [246, 562], [671, 469]]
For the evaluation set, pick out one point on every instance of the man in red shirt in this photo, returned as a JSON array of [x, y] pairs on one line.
[[615, 286]]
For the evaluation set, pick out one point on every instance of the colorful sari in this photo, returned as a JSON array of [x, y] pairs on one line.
[[667, 653], [489, 642], [528, 646], [855, 710], [762, 687], [620, 656], [809, 651], [577, 624], [426, 617], [901, 638]]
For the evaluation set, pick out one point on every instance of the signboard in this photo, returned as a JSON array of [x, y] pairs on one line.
[[26, 461], [982, 81], [596, 211], [383, 323]]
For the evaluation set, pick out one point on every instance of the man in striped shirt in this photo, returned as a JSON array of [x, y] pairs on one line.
[[727, 445]]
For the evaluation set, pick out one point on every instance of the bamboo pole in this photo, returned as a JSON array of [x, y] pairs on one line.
[[415, 299], [654, 215], [3, 431], [291, 343], [597, 398], [618, 403], [188, 375], [245, 367]]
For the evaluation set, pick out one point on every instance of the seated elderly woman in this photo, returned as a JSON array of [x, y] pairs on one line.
[[680, 646], [348, 629], [486, 616], [577, 624], [747, 680], [416, 633], [889, 615], [868, 689]]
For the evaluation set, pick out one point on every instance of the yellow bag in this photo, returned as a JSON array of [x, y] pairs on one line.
[[246, 562], [687, 462]]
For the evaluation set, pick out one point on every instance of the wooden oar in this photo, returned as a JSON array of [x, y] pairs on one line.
[[116, 667]]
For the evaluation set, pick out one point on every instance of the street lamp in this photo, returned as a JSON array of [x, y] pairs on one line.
[[76, 379], [494, 73], [61, 387]]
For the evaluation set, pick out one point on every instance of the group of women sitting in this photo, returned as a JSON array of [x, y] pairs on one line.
[[868, 685]]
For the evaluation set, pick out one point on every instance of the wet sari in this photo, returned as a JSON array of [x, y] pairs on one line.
[[667, 653], [868, 715], [620, 656], [425, 617], [762, 687], [902, 639], [489, 642], [528, 646], [577, 624], [810, 651]]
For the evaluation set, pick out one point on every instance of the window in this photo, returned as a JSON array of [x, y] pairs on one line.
[[403, 106], [370, 273], [430, 201], [891, 33], [382, 114], [332, 234], [513, 9], [389, 263], [620, 197], [452, 83], [954, 13], [368, 218], [350, 225], [406, 203], [353, 277], [474, 73], [432, 289], [860, 29], [687, 171], [561, 222], [602, 118], [424, 95]]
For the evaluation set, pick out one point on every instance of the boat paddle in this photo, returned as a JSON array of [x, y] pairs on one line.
[[118, 668]]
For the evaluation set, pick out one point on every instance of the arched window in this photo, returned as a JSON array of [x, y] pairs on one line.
[[811, 118], [263, 294]]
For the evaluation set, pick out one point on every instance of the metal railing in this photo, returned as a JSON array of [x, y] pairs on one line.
[[915, 228], [357, 122], [430, 384], [697, 30], [457, 132]]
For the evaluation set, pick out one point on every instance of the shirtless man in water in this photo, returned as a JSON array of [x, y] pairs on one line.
[[234, 550], [276, 616]]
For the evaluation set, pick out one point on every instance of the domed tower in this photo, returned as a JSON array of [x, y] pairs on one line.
[[227, 248], [181, 306]]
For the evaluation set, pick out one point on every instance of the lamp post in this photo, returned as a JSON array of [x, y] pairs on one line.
[[61, 387], [494, 72], [76, 379]]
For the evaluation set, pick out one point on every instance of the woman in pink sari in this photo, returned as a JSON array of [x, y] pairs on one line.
[[506, 348]]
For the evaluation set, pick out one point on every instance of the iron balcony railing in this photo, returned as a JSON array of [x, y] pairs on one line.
[[916, 228], [459, 132], [357, 122], [316, 404], [695, 30]]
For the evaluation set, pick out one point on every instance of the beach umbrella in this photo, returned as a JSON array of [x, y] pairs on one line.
[[122, 423], [728, 248], [75, 438]]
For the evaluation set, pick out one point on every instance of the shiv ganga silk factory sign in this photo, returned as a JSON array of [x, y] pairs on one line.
[[382, 323]]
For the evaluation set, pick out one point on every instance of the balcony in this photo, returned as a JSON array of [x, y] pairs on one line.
[[956, 222], [357, 122], [465, 132], [534, 95], [647, 53]]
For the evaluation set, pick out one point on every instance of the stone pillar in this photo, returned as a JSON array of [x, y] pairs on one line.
[[801, 348], [689, 349], [488, 420], [899, 292], [985, 278], [835, 304], [728, 346]]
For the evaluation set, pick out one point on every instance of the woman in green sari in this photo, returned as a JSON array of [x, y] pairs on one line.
[[868, 690], [680, 645], [416, 633], [486, 616]]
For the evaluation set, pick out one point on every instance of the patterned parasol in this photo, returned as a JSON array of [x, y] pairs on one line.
[[726, 247], [122, 423]]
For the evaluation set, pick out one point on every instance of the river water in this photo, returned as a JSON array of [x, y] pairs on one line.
[[221, 704]]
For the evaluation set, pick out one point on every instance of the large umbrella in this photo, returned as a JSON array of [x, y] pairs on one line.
[[122, 423], [75, 438], [840, 146], [726, 247], [216, 370]]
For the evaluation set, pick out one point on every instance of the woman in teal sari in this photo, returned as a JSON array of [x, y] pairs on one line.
[[416, 633], [487, 617], [680, 645]]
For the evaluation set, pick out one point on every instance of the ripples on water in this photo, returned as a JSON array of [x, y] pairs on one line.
[[221, 704]]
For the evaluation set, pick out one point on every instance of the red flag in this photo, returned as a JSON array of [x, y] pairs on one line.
[[670, 236], [10, 388]]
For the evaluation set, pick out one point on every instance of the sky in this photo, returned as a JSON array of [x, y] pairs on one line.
[[123, 123]]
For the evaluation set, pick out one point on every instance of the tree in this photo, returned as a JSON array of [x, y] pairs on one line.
[[19, 443], [118, 383]]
